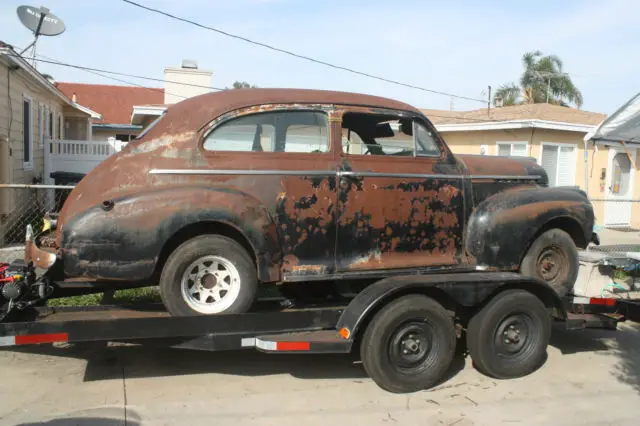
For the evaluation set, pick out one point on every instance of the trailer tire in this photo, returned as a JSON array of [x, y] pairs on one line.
[[508, 338], [552, 257], [409, 344], [208, 274]]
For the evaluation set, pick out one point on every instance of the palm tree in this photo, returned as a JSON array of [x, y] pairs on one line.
[[543, 80]]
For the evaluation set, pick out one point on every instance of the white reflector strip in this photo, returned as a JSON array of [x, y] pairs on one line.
[[248, 342], [266, 346], [581, 300], [8, 341]]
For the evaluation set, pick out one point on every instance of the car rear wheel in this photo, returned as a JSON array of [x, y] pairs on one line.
[[552, 257], [207, 275]]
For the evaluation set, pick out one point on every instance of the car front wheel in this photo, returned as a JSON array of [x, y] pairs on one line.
[[207, 275], [552, 257]]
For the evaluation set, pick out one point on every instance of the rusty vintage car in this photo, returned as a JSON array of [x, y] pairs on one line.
[[231, 190]]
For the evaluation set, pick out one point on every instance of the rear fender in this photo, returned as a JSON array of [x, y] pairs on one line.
[[123, 237], [501, 228]]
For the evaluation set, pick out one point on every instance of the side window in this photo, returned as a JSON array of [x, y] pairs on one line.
[[426, 144], [291, 131], [370, 134]]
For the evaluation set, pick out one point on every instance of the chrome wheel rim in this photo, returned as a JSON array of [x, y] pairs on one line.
[[210, 285]]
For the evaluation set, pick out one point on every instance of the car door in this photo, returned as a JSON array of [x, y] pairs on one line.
[[400, 196], [285, 160]]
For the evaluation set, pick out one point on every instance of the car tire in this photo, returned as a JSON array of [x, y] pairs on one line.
[[553, 258], [208, 275], [509, 336], [409, 344]]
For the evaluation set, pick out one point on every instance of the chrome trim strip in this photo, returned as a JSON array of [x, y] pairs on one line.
[[400, 175], [506, 177], [242, 172], [339, 173]]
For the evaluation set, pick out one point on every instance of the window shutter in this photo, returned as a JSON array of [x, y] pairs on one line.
[[550, 162], [566, 171], [504, 149]]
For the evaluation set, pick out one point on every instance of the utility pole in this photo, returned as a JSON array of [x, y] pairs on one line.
[[489, 102]]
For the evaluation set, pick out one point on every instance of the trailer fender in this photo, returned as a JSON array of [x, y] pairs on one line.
[[467, 290]]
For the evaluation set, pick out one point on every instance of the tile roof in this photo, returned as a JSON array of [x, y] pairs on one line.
[[546, 112], [115, 103]]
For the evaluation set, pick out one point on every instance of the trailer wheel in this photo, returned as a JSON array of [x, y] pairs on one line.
[[209, 274], [409, 344], [508, 338], [553, 257]]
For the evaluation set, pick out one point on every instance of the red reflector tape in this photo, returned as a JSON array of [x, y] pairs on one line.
[[293, 346], [32, 339], [602, 301]]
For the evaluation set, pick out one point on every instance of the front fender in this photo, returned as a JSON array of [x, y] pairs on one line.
[[121, 239], [502, 226]]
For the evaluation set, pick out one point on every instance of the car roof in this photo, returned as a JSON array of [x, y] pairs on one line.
[[193, 113]]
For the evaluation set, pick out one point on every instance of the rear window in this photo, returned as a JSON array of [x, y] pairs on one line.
[[290, 131]]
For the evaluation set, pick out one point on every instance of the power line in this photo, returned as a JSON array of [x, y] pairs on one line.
[[156, 89], [99, 70], [297, 55], [80, 67]]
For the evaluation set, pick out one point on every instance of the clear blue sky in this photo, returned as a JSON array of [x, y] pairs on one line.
[[452, 46]]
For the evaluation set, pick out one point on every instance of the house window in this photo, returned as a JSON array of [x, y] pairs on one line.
[[559, 161], [513, 149], [40, 124], [298, 131], [60, 125], [51, 125], [46, 122], [27, 132]]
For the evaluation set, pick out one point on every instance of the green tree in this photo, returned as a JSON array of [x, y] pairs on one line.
[[241, 85], [543, 80]]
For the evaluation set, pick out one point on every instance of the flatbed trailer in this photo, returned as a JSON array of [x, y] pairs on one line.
[[406, 327]]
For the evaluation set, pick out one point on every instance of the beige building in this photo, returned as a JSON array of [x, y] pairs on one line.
[[554, 137], [32, 110]]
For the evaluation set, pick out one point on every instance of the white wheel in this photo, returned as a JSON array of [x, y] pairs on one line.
[[210, 285], [208, 275]]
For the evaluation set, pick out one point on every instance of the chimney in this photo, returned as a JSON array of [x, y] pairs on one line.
[[73, 97], [185, 82]]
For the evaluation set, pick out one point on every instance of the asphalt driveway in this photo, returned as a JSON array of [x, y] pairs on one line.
[[590, 378]]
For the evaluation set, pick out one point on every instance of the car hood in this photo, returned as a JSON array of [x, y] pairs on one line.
[[496, 166]]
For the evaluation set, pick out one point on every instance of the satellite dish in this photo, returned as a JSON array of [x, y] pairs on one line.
[[40, 21]]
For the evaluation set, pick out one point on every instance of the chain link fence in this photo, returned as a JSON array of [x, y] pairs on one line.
[[22, 205]]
